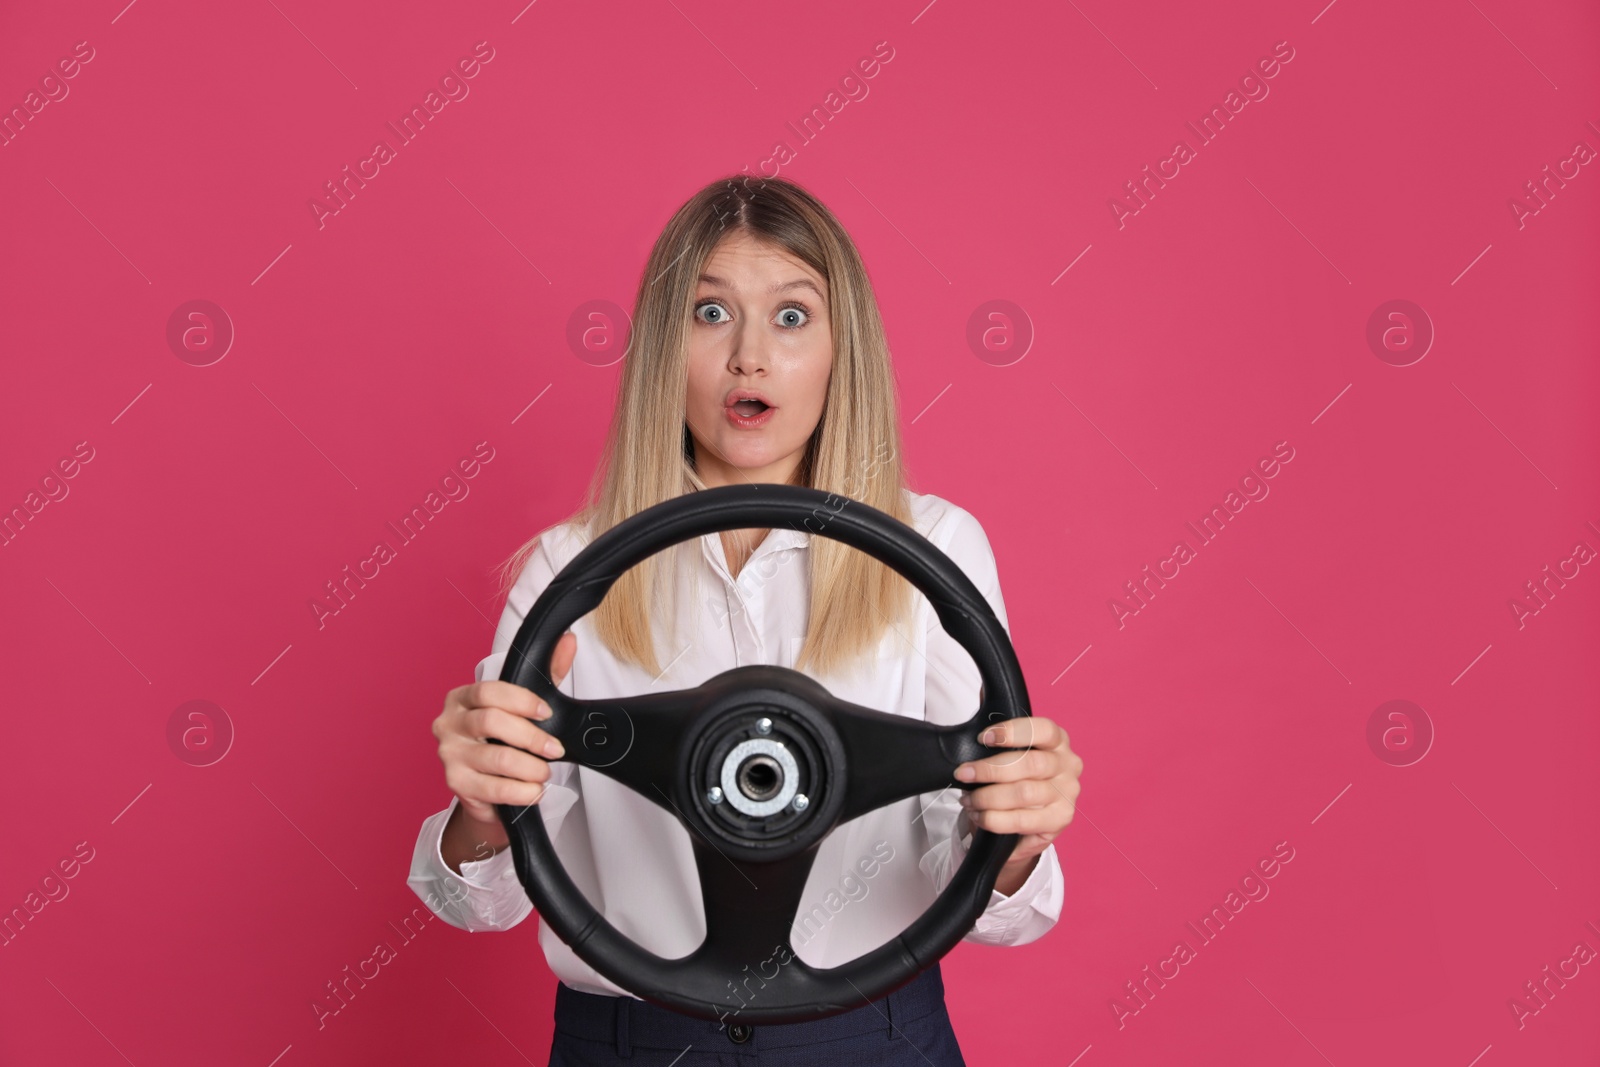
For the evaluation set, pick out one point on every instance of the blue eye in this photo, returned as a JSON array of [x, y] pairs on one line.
[[789, 310], [710, 304]]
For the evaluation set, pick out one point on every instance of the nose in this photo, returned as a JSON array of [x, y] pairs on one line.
[[749, 352]]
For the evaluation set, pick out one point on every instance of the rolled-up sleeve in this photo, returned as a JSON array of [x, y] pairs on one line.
[[487, 895], [952, 697]]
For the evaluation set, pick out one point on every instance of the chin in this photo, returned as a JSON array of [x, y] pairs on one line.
[[748, 459], [751, 455]]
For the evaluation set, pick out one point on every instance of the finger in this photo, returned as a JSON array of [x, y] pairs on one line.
[[504, 761], [1027, 847], [482, 810], [1030, 731], [1023, 734], [493, 693], [473, 726], [513, 730], [1030, 793], [520, 699], [1009, 767], [488, 790], [1018, 820], [561, 661], [561, 658], [1030, 845]]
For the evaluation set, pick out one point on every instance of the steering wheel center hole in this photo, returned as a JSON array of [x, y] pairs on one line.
[[760, 777]]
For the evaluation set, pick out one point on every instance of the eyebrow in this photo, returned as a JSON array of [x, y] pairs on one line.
[[798, 283]]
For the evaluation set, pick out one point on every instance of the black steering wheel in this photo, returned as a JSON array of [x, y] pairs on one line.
[[760, 763]]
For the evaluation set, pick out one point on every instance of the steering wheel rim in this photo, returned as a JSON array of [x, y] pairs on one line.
[[673, 737]]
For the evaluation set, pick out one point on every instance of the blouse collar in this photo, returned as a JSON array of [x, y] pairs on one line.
[[778, 539]]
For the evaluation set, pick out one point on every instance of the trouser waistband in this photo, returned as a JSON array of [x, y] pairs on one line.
[[631, 1023]]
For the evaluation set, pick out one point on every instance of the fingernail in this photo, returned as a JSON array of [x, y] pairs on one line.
[[966, 772], [990, 737], [554, 749]]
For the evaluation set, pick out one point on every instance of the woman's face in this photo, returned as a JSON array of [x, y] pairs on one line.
[[760, 326]]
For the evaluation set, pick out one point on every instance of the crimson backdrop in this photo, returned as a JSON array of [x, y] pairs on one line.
[[1097, 339]]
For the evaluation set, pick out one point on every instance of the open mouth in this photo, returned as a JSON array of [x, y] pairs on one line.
[[748, 409]]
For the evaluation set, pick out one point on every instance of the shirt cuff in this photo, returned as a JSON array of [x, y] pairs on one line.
[[486, 895]]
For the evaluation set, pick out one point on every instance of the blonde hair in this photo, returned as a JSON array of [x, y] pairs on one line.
[[648, 457]]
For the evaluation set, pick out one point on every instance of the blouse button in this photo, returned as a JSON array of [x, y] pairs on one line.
[[738, 1033]]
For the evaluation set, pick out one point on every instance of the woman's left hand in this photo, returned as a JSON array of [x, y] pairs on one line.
[[1032, 792]]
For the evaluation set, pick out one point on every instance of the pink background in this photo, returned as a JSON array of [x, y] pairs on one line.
[[1228, 314]]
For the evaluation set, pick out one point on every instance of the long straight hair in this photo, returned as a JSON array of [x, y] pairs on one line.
[[648, 457]]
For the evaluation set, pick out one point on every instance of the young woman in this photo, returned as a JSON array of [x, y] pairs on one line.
[[757, 355]]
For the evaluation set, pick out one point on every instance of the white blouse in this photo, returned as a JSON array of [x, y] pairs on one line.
[[634, 861]]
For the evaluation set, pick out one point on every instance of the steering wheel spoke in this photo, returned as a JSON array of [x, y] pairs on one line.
[[634, 740], [895, 757], [750, 910]]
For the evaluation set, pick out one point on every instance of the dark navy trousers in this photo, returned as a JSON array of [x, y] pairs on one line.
[[907, 1028]]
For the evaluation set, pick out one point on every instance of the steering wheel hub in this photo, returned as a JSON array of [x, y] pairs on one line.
[[762, 750]]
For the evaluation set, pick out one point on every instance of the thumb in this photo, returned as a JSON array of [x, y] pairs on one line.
[[561, 660]]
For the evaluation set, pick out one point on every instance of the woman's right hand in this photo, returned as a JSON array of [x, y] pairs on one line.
[[483, 775]]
